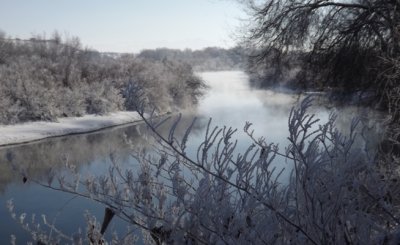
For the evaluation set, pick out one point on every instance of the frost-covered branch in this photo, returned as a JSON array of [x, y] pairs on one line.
[[323, 189]]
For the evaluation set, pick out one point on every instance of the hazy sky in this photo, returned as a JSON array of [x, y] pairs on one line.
[[126, 25]]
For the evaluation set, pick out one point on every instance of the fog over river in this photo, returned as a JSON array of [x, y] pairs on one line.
[[229, 101]]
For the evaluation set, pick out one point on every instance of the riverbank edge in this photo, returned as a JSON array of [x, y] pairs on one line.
[[30, 132]]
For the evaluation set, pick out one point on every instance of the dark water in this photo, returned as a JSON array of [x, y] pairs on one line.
[[90, 153], [230, 101]]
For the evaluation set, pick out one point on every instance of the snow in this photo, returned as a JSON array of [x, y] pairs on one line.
[[32, 131]]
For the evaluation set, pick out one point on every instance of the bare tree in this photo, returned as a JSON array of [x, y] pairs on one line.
[[341, 44]]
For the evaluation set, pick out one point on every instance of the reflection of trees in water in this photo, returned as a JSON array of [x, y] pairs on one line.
[[185, 121], [370, 129], [38, 158]]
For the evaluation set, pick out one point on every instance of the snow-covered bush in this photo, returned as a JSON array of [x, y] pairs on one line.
[[101, 98], [167, 84], [48, 78], [71, 102], [9, 110], [322, 189], [28, 89]]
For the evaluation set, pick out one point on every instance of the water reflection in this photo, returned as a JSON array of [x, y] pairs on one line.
[[230, 101], [39, 157], [89, 152]]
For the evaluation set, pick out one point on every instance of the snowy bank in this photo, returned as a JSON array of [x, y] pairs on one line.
[[32, 131]]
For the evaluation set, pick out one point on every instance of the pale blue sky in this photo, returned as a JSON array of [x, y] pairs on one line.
[[126, 25]]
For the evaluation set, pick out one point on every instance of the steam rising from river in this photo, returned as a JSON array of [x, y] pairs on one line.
[[230, 101]]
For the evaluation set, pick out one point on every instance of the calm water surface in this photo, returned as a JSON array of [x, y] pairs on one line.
[[230, 101]]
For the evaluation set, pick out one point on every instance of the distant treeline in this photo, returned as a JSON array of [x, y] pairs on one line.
[[208, 59], [42, 79]]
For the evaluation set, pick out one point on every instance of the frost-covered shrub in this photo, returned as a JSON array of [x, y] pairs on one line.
[[168, 84], [71, 102], [101, 98], [50, 78], [332, 193], [30, 92], [9, 110]]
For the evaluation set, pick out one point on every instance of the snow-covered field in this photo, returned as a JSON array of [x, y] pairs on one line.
[[31, 131]]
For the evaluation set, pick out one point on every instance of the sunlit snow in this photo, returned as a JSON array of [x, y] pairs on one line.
[[31, 131]]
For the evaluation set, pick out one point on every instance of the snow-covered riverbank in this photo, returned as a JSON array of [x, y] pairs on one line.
[[32, 131]]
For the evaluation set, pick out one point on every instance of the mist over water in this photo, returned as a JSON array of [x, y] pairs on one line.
[[232, 102], [229, 101]]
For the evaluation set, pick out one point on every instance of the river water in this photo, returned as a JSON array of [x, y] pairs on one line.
[[229, 101]]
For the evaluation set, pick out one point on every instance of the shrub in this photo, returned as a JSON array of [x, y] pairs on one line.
[[48, 78], [336, 193]]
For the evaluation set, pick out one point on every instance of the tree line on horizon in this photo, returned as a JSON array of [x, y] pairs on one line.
[[207, 59]]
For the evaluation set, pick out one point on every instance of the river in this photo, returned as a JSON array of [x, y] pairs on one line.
[[229, 101]]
